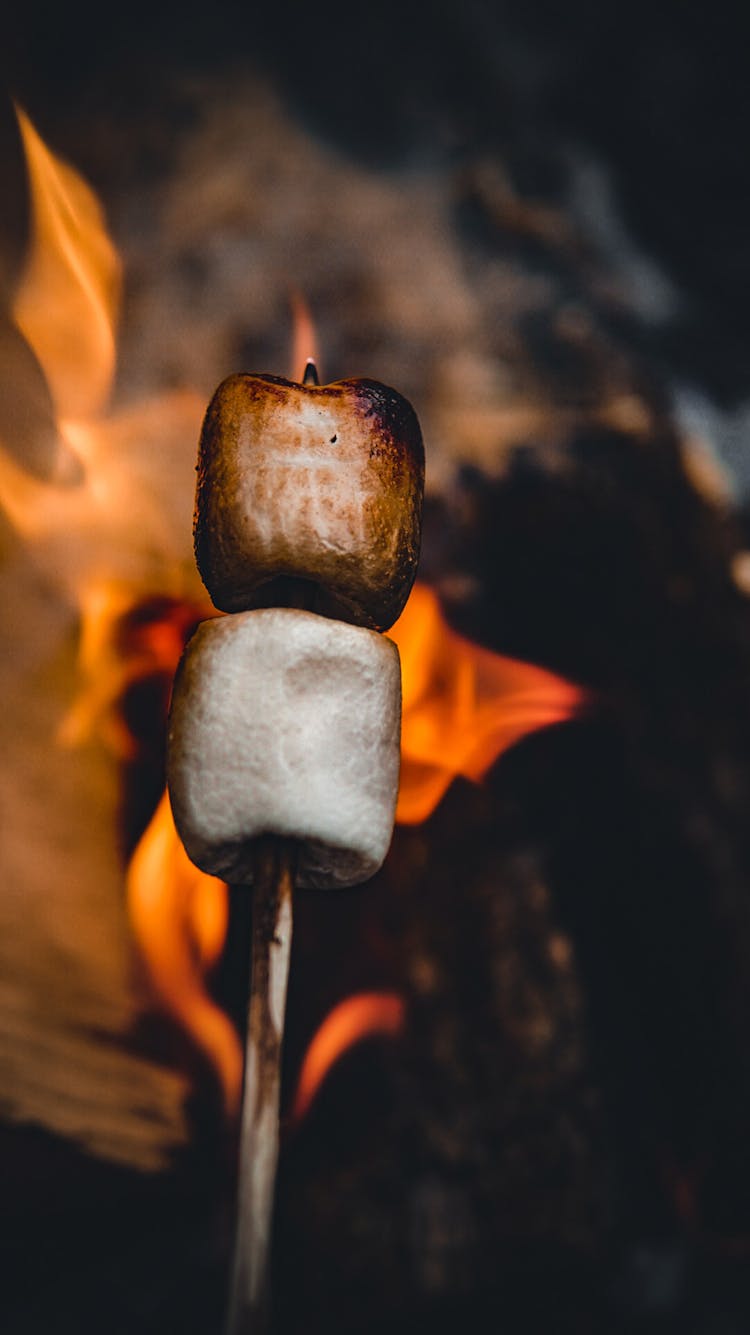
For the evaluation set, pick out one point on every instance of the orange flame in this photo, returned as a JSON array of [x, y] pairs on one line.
[[304, 337], [118, 534], [462, 705], [67, 303], [350, 1022], [116, 537], [179, 917], [119, 537]]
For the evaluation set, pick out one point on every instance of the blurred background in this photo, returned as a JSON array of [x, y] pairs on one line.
[[534, 223]]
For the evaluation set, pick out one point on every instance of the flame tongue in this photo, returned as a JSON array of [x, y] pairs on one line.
[[179, 917], [67, 303], [462, 705], [304, 342], [364, 1015]]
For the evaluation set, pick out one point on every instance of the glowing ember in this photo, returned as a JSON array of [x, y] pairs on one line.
[[365, 1015], [462, 705]]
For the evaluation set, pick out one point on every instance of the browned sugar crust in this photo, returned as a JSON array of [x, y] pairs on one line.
[[321, 483]]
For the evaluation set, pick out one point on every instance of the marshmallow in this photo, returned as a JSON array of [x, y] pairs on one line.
[[286, 723], [321, 483]]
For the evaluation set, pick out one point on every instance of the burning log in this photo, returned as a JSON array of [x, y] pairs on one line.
[[284, 728]]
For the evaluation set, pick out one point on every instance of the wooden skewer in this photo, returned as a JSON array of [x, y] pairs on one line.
[[249, 1302], [273, 887]]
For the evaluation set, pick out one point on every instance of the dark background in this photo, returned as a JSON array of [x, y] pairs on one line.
[[659, 90]]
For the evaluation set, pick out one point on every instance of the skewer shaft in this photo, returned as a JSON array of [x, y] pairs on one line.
[[259, 1129]]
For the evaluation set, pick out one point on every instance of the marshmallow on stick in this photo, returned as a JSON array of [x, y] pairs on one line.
[[285, 723]]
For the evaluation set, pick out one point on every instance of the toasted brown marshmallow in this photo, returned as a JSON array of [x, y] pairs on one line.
[[320, 483], [286, 723]]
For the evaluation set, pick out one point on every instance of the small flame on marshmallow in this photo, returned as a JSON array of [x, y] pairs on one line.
[[305, 351]]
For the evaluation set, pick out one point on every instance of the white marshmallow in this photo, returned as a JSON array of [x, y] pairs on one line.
[[286, 723]]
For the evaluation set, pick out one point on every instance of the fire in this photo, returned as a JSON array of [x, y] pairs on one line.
[[119, 537], [304, 338], [179, 917], [111, 539], [361, 1016], [67, 304], [462, 705], [115, 534]]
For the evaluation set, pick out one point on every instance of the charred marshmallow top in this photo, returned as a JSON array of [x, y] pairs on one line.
[[321, 483]]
